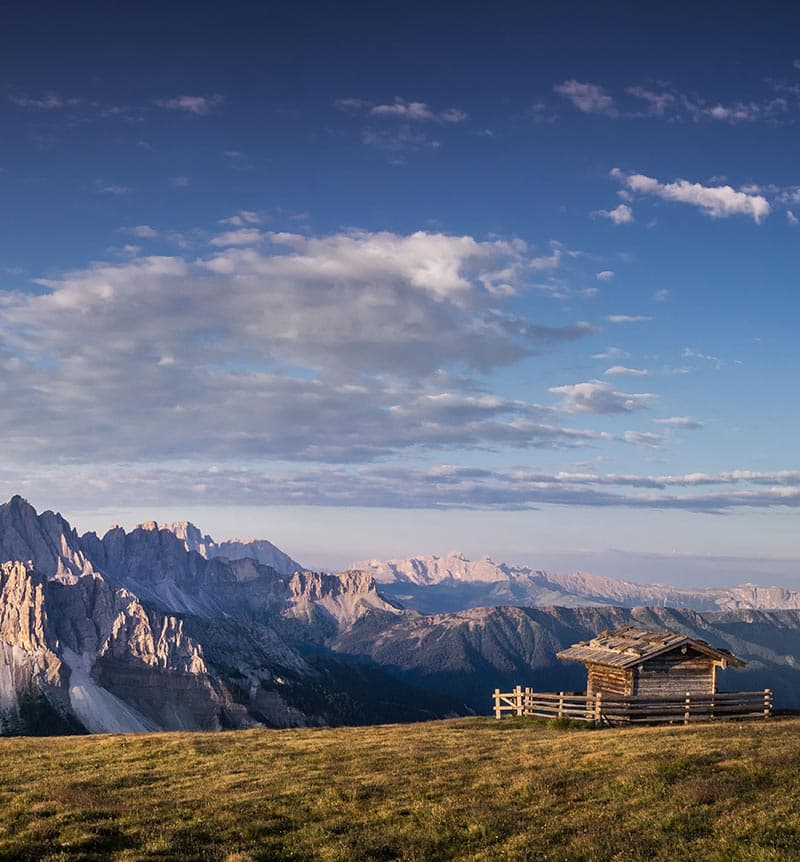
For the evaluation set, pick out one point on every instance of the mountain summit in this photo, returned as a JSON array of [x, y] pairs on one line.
[[260, 550]]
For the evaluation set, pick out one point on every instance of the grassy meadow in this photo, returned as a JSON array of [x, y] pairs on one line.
[[467, 789]]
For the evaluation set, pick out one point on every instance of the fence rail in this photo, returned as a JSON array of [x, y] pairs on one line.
[[608, 709]]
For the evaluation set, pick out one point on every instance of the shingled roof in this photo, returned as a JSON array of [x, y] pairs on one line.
[[629, 646]]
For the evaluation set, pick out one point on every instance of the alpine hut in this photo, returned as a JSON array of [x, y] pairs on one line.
[[636, 662]]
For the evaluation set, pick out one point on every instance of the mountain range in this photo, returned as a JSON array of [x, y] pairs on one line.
[[449, 583], [133, 632], [164, 628]]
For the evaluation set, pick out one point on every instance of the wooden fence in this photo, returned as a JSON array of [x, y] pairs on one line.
[[607, 709]]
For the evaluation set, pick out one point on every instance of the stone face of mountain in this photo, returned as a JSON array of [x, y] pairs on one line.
[[260, 550], [46, 539], [132, 632], [33, 679], [469, 654], [453, 583], [69, 648]]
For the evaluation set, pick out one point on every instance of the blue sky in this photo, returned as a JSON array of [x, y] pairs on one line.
[[373, 280]]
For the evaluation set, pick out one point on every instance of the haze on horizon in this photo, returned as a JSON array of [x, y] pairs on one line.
[[371, 281]]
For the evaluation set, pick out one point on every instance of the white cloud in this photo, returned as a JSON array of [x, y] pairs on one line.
[[627, 318], [605, 275], [685, 422], [539, 112], [663, 101], [598, 397], [243, 236], [179, 182], [623, 370], [398, 128], [244, 217], [621, 214], [47, 102], [611, 353], [198, 105], [399, 140], [715, 201], [113, 189], [645, 439], [661, 295], [690, 353], [417, 112], [735, 112], [792, 218], [589, 98], [143, 231], [658, 103]]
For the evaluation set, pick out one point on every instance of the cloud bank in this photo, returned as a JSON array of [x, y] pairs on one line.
[[338, 348], [438, 488]]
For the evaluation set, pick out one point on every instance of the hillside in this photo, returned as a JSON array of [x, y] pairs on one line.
[[471, 789], [468, 654]]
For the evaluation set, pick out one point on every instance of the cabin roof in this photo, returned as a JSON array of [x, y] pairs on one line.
[[629, 646]]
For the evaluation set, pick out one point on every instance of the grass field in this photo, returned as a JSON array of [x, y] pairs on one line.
[[468, 789]]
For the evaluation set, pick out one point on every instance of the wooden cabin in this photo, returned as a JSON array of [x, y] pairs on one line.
[[635, 661]]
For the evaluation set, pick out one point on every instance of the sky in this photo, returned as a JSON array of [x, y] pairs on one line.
[[379, 279]]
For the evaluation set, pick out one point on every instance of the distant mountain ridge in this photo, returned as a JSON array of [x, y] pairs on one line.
[[438, 584]]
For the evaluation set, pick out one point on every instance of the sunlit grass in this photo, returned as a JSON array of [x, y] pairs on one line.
[[472, 789]]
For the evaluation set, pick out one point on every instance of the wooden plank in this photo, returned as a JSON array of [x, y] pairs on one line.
[[547, 695], [581, 716]]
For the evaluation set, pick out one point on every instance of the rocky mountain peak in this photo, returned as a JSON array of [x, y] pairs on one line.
[[46, 539], [189, 534], [260, 550]]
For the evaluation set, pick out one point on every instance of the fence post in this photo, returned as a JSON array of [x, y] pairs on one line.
[[687, 708], [767, 702], [528, 699], [598, 708], [518, 699], [497, 712], [560, 704]]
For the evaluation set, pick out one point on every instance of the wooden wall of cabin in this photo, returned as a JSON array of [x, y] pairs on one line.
[[608, 680], [673, 674]]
